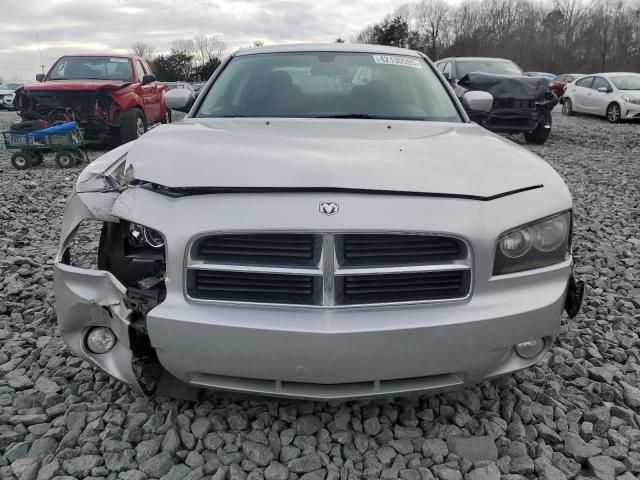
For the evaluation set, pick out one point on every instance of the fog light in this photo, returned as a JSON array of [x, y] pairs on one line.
[[530, 349], [100, 340]]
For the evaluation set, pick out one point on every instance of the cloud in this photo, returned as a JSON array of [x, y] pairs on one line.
[[67, 26]]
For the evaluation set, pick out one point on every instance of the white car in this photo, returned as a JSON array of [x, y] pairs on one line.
[[615, 96], [319, 238], [7, 94]]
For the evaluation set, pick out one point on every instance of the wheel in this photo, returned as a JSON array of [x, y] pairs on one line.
[[78, 155], [65, 159], [37, 157], [21, 160], [613, 113], [567, 108], [133, 125], [167, 116], [542, 131]]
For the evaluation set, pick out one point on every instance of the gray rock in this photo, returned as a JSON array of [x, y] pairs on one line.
[[81, 466], [132, 475], [307, 425], [577, 448], [306, 463], [631, 395], [177, 472], [258, 453], [41, 447], [473, 448], [158, 465], [276, 471], [490, 472], [605, 468], [435, 449]]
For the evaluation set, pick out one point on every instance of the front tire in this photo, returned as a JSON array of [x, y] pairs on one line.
[[134, 125], [613, 113], [21, 160], [65, 159], [567, 107], [541, 133]]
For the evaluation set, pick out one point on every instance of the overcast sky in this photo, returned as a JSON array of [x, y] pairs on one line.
[[67, 26]]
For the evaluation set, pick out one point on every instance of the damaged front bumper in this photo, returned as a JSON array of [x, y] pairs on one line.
[[95, 298], [306, 353]]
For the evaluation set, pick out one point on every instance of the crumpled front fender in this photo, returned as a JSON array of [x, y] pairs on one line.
[[87, 298]]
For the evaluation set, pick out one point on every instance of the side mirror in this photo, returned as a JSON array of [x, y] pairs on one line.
[[477, 101], [604, 89], [179, 99], [148, 78], [39, 77]]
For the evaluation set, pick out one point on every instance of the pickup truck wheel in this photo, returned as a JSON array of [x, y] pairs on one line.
[[65, 159], [133, 125], [21, 160], [541, 133]]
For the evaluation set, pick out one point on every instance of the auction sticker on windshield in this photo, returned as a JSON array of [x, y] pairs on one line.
[[397, 60]]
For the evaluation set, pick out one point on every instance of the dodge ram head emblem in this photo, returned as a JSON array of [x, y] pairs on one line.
[[328, 208]]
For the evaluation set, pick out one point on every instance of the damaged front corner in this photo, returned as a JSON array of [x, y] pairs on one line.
[[92, 298], [87, 298]]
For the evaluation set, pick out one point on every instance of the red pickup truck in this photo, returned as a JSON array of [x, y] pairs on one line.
[[112, 97]]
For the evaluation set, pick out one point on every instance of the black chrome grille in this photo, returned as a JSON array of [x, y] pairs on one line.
[[326, 269], [404, 287], [396, 249], [251, 287], [257, 249]]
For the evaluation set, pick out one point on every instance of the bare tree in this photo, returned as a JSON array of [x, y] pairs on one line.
[[364, 36], [432, 19], [208, 48], [143, 50]]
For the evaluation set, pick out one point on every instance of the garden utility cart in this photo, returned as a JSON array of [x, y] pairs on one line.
[[66, 140]]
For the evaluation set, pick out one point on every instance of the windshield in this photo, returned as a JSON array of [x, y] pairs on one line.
[[329, 85], [499, 67], [630, 82], [9, 86], [92, 68]]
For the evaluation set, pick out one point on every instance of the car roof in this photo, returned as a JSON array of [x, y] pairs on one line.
[[327, 47], [480, 59], [613, 74], [102, 54]]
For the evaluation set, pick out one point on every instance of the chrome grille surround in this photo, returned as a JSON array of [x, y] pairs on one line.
[[328, 270]]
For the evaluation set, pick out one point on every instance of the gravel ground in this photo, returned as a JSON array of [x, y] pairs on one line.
[[573, 416]]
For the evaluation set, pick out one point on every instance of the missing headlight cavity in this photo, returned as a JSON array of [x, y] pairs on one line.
[[140, 267], [82, 249]]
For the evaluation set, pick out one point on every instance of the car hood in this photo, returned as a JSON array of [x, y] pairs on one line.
[[61, 85], [320, 154], [507, 86]]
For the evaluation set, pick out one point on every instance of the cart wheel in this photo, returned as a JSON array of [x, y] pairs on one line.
[[37, 157], [65, 159], [78, 155], [21, 160]]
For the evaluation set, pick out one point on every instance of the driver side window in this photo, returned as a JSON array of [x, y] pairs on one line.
[[599, 82], [585, 82]]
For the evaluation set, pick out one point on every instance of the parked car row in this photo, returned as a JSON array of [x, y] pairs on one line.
[[521, 103], [615, 96], [7, 94]]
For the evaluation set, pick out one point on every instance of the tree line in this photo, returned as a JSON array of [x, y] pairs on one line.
[[192, 59], [563, 36]]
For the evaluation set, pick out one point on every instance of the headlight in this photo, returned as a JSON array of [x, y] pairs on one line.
[[635, 101], [532, 246], [96, 178], [138, 236]]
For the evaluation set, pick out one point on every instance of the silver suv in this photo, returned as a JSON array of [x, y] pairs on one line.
[[326, 223]]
